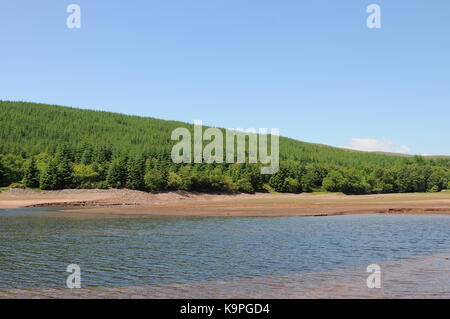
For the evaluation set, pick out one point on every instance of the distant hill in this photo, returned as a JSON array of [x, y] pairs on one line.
[[394, 154], [409, 155]]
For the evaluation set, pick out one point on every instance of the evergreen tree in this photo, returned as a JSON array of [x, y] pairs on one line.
[[103, 154], [87, 155], [49, 177], [64, 152], [12, 168], [135, 176], [2, 174], [101, 169], [117, 173], [65, 174], [31, 174]]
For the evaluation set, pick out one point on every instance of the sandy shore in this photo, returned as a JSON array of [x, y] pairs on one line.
[[197, 204]]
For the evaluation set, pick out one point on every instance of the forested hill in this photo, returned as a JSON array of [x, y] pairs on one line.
[[29, 129], [60, 147]]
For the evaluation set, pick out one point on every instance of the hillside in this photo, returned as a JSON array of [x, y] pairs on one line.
[[28, 128], [107, 143]]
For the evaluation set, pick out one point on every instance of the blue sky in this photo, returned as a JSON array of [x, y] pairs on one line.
[[310, 68]]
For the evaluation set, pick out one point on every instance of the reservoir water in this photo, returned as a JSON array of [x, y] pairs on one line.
[[223, 256]]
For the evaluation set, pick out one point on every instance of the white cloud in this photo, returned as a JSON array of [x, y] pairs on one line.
[[373, 145]]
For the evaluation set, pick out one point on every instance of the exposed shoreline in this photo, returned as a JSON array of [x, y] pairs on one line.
[[128, 202]]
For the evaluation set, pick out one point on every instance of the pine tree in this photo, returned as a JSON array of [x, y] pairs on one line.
[[117, 173], [31, 174], [135, 177], [87, 156], [103, 154], [49, 177], [65, 174], [2, 174], [64, 152]]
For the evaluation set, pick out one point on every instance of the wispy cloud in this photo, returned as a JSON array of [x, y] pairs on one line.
[[374, 145]]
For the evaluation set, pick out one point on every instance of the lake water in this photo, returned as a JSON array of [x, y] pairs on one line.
[[286, 257]]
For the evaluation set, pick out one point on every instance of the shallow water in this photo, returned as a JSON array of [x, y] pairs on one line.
[[230, 256]]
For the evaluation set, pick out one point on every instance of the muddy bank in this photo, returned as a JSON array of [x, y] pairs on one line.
[[197, 204]]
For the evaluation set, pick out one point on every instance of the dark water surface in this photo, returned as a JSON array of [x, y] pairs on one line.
[[122, 251]]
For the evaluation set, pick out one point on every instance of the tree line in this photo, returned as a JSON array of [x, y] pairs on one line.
[[104, 169]]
